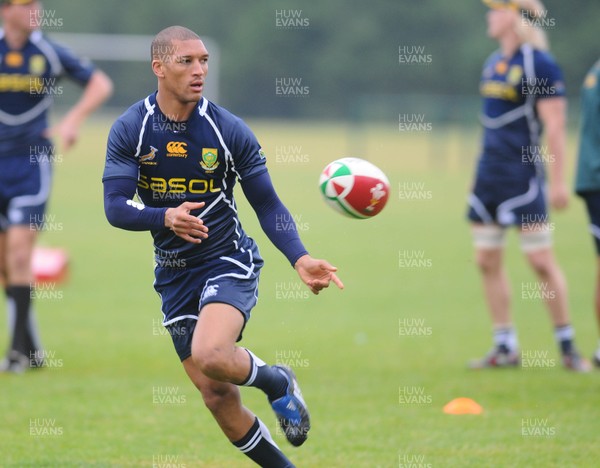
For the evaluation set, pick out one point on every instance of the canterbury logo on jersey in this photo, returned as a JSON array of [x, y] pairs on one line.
[[14, 59], [177, 149]]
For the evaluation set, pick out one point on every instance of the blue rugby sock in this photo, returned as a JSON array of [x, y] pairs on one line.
[[258, 445], [564, 335], [21, 297], [32, 337], [505, 339], [268, 379]]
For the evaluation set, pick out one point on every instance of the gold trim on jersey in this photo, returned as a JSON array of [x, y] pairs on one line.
[[14, 82], [499, 90]]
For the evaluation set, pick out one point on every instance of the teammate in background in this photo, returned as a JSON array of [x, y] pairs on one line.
[[207, 268], [30, 66], [522, 92], [587, 184]]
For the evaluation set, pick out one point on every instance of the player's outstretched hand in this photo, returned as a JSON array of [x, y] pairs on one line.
[[317, 274], [187, 226]]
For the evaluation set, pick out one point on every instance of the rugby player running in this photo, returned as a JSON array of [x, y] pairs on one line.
[[207, 267]]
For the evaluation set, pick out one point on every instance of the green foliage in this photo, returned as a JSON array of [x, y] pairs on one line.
[[348, 50]]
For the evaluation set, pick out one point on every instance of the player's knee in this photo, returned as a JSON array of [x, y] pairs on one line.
[[488, 261], [217, 397], [19, 264], [541, 263], [212, 362]]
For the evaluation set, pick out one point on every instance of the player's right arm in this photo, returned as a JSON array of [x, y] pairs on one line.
[[551, 106], [189, 227], [120, 179], [553, 113], [122, 212]]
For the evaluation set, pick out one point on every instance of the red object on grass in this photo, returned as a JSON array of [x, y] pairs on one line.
[[50, 265]]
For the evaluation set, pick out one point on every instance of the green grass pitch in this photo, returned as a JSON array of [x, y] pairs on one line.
[[377, 361]]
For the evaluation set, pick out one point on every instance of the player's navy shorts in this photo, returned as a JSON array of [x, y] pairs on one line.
[[231, 279], [592, 202], [25, 183], [508, 200]]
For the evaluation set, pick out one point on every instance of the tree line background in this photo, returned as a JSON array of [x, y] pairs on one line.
[[345, 53]]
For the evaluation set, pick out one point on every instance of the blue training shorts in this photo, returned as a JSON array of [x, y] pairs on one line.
[[592, 203], [184, 291], [517, 202], [24, 190]]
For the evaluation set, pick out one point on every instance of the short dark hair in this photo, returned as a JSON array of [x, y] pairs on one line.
[[163, 40]]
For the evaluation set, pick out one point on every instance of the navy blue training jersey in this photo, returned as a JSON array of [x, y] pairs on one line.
[[28, 83], [511, 88], [198, 160]]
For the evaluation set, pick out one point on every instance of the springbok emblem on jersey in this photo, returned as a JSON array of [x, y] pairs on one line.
[[150, 156]]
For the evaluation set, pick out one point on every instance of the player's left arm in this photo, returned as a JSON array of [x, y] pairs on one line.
[[316, 273], [279, 226], [275, 219], [552, 113], [96, 91]]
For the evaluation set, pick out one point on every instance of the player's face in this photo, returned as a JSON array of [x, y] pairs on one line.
[[182, 71], [500, 21], [22, 16]]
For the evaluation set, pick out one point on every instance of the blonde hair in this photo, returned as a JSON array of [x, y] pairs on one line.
[[526, 28]]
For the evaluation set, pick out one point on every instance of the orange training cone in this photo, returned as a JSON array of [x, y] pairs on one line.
[[463, 406]]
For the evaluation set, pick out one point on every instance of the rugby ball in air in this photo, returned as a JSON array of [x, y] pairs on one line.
[[354, 187]]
